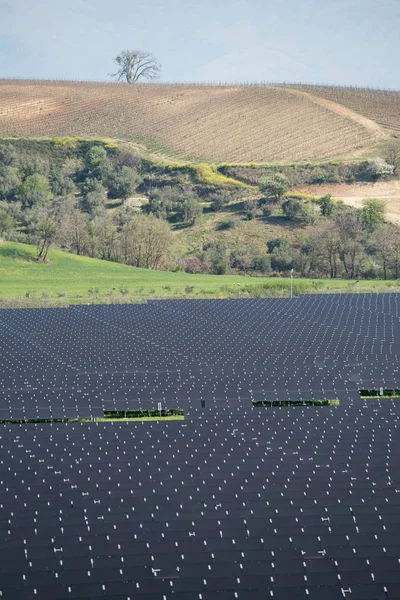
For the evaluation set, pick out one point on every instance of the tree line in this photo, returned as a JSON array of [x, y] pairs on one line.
[[81, 203]]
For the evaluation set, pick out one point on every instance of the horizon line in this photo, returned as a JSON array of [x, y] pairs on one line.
[[261, 83]]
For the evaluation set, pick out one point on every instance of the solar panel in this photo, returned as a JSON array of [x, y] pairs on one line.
[[284, 501]]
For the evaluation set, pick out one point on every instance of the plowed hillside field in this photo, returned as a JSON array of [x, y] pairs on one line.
[[213, 123], [381, 106]]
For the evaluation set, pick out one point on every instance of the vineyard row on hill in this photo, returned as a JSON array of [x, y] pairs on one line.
[[235, 124], [285, 84]]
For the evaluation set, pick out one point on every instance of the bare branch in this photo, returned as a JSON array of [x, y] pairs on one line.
[[134, 65]]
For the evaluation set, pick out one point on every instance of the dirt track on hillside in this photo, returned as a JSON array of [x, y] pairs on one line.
[[354, 194], [343, 111]]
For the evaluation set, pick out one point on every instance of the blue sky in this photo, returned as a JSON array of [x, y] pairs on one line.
[[349, 42]]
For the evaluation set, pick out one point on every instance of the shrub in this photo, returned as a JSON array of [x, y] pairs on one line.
[[65, 142], [193, 265], [206, 173], [220, 200], [320, 177], [292, 208], [228, 224], [377, 167], [250, 207], [370, 270], [267, 210]]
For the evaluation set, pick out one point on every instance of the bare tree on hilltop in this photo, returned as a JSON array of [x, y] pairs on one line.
[[134, 65]]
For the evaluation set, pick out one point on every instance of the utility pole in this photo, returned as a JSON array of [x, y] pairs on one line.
[[291, 283]]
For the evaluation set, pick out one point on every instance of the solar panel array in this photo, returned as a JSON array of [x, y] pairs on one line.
[[233, 502]]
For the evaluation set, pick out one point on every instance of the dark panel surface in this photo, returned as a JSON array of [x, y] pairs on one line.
[[233, 502]]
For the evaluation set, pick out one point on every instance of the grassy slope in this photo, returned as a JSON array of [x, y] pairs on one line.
[[76, 274], [19, 273]]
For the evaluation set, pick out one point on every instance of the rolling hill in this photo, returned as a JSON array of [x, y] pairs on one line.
[[381, 106], [241, 124]]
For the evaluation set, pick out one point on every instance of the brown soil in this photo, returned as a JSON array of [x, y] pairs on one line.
[[353, 194], [234, 123], [343, 111]]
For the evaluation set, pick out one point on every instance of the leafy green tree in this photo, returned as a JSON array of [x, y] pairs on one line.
[[310, 213], [278, 242], [62, 186], [95, 197], [123, 182], [247, 258], [10, 181], [216, 256], [191, 210], [8, 155], [281, 254], [32, 164], [282, 259], [6, 221], [292, 207], [372, 214], [35, 191], [274, 186], [185, 205], [165, 201], [96, 162], [326, 205], [262, 263], [71, 167], [159, 208], [242, 258]]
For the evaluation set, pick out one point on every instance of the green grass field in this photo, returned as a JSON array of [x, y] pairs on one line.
[[68, 278]]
